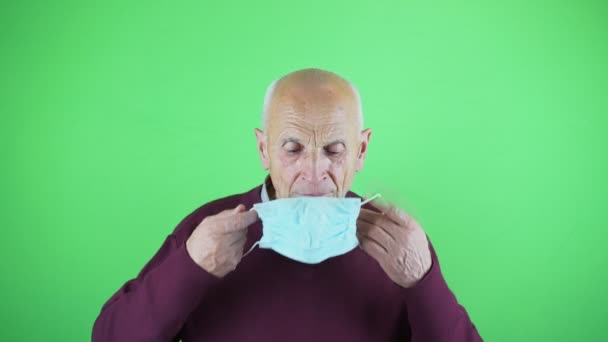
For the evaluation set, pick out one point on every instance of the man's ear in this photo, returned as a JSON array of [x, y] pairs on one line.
[[262, 148], [365, 136]]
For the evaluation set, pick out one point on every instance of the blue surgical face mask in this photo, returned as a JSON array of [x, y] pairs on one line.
[[309, 229]]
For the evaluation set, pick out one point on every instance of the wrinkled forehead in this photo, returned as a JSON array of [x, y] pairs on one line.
[[324, 111]]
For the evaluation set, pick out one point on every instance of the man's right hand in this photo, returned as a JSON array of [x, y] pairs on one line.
[[216, 244]]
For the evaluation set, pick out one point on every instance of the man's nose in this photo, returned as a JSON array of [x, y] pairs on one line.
[[314, 169]]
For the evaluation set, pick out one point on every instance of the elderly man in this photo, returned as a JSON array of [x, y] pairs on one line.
[[201, 285]]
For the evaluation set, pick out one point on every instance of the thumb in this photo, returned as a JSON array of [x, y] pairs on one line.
[[239, 208]]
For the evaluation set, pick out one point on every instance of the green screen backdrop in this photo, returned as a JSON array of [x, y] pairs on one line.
[[489, 125]]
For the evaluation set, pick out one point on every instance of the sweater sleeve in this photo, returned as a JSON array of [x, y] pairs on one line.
[[433, 311], [155, 305]]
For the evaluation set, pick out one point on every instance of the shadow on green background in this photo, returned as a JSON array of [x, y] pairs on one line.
[[490, 126]]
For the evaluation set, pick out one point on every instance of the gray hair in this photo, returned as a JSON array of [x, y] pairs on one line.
[[270, 93]]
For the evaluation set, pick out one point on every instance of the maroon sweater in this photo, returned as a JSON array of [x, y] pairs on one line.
[[272, 298]]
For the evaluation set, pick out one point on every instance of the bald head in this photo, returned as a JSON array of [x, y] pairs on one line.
[[320, 85], [313, 142]]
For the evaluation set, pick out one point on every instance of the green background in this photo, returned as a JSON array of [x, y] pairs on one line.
[[489, 125]]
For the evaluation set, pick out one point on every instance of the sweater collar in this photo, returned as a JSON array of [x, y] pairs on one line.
[[264, 192]]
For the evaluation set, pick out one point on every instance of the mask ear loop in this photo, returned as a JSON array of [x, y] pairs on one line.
[[370, 199], [253, 246], [251, 249]]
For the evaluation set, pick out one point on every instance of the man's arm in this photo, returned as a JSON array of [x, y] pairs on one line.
[[155, 305], [433, 311]]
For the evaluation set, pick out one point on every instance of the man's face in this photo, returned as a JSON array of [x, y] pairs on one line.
[[312, 144]]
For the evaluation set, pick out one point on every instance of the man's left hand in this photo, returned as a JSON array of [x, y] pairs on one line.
[[396, 241]]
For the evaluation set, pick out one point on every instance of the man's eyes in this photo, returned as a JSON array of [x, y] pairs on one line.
[[293, 148], [330, 150], [334, 149]]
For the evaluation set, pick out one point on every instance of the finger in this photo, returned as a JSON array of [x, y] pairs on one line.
[[393, 212], [246, 218], [373, 248], [366, 227], [239, 221], [376, 232], [371, 217], [234, 210], [240, 240]]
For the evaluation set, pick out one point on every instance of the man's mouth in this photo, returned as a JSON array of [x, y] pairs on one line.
[[315, 194]]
